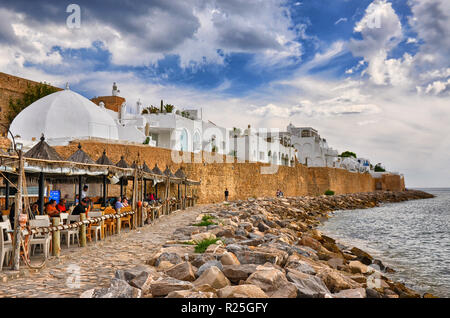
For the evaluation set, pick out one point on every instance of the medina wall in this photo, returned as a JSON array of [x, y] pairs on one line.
[[243, 180]]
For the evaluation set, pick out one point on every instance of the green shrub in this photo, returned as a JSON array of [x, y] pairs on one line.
[[205, 223], [203, 245], [379, 168], [347, 154], [206, 220], [329, 192]]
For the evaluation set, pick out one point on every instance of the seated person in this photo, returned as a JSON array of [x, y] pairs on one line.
[[35, 209], [118, 205], [50, 209], [125, 202], [61, 206], [82, 207]]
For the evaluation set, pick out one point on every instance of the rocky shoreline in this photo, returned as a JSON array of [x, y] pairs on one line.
[[264, 247]]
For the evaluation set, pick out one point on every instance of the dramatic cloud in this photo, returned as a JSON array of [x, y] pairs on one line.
[[195, 31]]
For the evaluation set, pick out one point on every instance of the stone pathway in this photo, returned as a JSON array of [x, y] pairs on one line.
[[97, 263]]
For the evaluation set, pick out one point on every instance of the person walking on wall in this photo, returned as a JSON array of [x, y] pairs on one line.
[[226, 194]]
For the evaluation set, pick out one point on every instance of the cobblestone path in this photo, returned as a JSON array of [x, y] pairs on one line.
[[97, 262]]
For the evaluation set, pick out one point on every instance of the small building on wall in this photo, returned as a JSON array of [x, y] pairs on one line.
[[262, 146], [312, 150]]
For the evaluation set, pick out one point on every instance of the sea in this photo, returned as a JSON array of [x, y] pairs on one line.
[[412, 237]]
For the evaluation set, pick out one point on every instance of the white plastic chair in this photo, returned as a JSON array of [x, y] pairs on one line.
[[96, 228], [42, 217], [71, 233], [40, 239], [5, 242]]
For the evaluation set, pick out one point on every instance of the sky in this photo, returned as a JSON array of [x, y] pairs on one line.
[[373, 77]]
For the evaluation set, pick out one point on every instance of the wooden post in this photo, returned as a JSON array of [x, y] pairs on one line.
[[56, 238], [185, 195], [17, 212], [134, 205], [41, 193], [142, 200], [83, 230], [118, 225], [179, 197], [104, 190], [80, 189], [167, 195], [6, 193]]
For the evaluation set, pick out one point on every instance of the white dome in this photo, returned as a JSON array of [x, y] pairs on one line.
[[64, 115]]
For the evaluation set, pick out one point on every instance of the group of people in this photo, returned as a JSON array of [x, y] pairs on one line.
[[280, 193], [120, 203], [151, 198]]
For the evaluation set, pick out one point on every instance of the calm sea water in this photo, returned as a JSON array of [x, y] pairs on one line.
[[412, 237]]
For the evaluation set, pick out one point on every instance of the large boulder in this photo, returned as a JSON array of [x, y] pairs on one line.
[[207, 265], [202, 236], [182, 271], [168, 257], [258, 255], [213, 277], [142, 281], [229, 258], [311, 242], [202, 259], [190, 294], [351, 293], [236, 273], [356, 267], [335, 281], [288, 290], [163, 286], [308, 286], [241, 291], [364, 257], [268, 279], [118, 289], [130, 273]]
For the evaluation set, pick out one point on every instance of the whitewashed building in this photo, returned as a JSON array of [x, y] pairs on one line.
[[312, 150], [64, 116], [261, 146]]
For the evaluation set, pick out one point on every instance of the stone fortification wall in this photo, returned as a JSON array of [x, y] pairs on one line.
[[243, 180]]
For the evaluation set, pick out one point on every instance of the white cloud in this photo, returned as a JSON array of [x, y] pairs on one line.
[[381, 31]]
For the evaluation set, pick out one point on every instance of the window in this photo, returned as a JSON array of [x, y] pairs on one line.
[[184, 140], [197, 143]]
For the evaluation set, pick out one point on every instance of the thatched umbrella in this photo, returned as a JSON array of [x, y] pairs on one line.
[[42, 150], [157, 171], [146, 169], [169, 173], [81, 157], [134, 165], [180, 174], [104, 160], [122, 164]]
